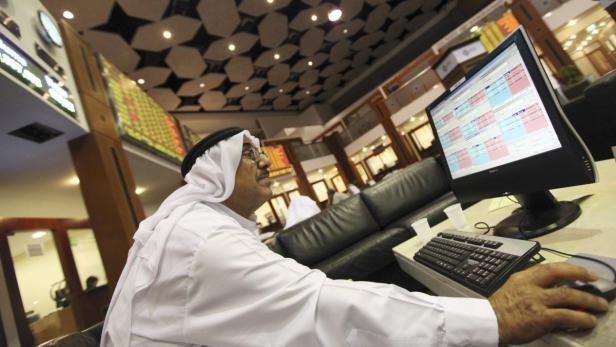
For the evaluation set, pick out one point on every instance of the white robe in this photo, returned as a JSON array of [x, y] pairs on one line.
[[217, 285]]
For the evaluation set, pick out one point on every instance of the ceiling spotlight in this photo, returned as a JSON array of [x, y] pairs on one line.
[[584, 43], [384, 137], [270, 1], [276, 184], [422, 118], [595, 32], [413, 119], [38, 234], [334, 14], [588, 38], [474, 28], [548, 15], [602, 24], [314, 18], [167, 34], [280, 90], [572, 22], [141, 81], [247, 88], [345, 31], [276, 56], [579, 48], [372, 148], [309, 62], [307, 92], [68, 14], [73, 181], [202, 85], [231, 47], [139, 190], [568, 43], [364, 149], [573, 37], [320, 171], [402, 133]]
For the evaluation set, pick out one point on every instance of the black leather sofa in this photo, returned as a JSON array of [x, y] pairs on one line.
[[354, 239], [90, 337], [593, 115]]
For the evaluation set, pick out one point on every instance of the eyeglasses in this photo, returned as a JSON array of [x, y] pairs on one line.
[[251, 153]]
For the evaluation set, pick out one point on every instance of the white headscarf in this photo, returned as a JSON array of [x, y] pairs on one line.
[[211, 179]]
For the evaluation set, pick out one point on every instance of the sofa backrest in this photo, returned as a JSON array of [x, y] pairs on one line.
[[328, 232], [406, 190]]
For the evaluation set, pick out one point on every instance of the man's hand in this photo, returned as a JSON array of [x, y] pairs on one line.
[[526, 308]]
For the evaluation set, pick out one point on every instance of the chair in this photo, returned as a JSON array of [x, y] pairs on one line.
[[90, 337]]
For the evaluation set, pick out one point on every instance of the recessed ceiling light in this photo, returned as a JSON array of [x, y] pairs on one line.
[[573, 37], [276, 56], [68, 14], [276, 184], [384, 137], [584, 43], [325, 177], [568, 43], [402, 133], [231, 47], [412, 119], [602, 24], [320, 171], [246, 88], [334, 15], [422, 118], [73, 181], [270, 1], [588, 38], [38, 234], [572, 22], [307, 92], [139, 190], [595, 32], [345, 31], [141, 81], [372, 148], [167, 34], [202, 85], [364, 149], [309, 62], [314, 18], [548, 15], [579, 48], [280, 90], [474, 28]]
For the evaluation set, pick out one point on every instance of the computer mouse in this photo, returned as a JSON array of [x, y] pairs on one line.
[[601, 287]]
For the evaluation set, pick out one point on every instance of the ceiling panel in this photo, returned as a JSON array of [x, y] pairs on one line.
[[240, 54]]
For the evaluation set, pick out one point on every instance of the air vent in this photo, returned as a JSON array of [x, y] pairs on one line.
[[34, 249], [36, 132]]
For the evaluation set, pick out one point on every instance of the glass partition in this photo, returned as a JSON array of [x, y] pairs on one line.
[[87, 258]]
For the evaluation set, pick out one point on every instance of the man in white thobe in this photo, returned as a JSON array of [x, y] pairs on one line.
[[197, 275]]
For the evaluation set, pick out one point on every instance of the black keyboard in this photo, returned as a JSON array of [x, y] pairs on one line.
[[480, 262]]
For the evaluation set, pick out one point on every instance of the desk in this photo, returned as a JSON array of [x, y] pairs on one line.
[[593, 232]]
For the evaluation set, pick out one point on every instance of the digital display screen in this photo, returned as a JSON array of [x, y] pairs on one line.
[[19, 65], [141, 120], [494, 118], [280, 163]]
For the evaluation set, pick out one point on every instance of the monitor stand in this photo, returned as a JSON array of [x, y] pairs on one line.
[[540, 213]]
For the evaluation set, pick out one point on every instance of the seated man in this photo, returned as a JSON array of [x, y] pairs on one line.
[[198, 275]]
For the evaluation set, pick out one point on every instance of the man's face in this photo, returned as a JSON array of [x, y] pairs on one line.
[[251, 178]]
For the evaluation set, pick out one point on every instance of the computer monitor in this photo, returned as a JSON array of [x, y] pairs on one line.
[[502, 132]]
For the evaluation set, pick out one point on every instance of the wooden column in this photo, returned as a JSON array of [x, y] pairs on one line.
[[346, 167], [405, 157], [303, 185], [610, 7], [106, 181], [542, 36]]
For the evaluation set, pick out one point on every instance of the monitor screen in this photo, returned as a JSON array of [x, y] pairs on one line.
[[496, 118]]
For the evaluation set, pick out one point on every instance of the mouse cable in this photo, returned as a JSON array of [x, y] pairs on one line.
[[484, 227], [563, 254]]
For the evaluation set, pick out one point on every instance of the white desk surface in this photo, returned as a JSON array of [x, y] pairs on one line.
[[593, 232]]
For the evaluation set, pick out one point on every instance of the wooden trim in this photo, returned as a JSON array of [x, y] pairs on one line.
[[3, 341], [23, 329]]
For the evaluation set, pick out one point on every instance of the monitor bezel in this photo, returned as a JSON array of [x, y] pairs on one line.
[[572, 158]]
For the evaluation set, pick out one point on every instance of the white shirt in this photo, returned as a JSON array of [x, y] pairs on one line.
[[217, 285]]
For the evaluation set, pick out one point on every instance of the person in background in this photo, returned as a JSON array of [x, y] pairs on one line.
[[91, 283], [334, 197], [353, 188], [197, 274], [300, 209]]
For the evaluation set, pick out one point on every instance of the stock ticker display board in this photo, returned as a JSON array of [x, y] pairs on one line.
[[140, 119], [280, 163]]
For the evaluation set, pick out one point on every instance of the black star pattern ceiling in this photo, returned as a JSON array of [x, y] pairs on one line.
[[243, 55]]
